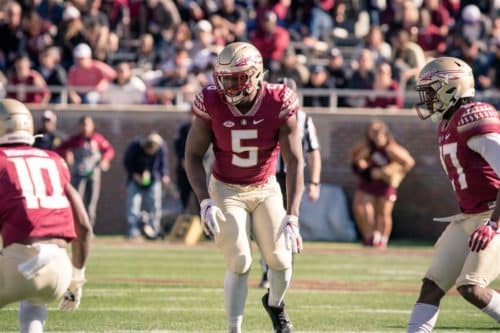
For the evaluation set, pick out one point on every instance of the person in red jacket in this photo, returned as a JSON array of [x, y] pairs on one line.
[[87, 153], [270, 39], [40, 214]]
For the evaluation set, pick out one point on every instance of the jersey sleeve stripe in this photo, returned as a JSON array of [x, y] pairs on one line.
[[199, 108], [479, 123], [290, 104]]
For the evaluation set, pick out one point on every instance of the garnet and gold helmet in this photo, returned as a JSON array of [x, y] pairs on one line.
[[441, 84], [238, 71], [16, 123]]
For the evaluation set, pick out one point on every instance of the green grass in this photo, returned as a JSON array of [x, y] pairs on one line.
[[170, 288]]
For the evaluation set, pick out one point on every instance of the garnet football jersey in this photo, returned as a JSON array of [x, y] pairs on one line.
[[246, 145], [474, 181], [32, 199]]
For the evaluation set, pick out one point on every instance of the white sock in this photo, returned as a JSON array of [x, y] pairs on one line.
[[377, 237], [31, 317], [493, 307], [423, 318], [279, 282], [235, 294]]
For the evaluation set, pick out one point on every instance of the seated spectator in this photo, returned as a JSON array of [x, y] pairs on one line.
[[230, 18], [147, 57], [202, 52], [290, 67], [339, 73], [51, 10], [362, 78], [29, 86], [159, 16], [439, 15], [48, 137], [429, 36], [321, 22], [90, 77], [39, 34], [70, 34], [319, 79], [271, 40], [385, 83], [97, 37], [182, 38], [52, 72], [11, 35], [408, 57], [479, 61], [126, 88], [176, 70], [373, 41], [474, 25]]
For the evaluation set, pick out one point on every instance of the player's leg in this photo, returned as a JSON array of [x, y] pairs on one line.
[[267, 219], [94, 191], [449, 257], [383, 220], [133, 208], [234, 240], [31, 317], [364, 215], [479, 270]]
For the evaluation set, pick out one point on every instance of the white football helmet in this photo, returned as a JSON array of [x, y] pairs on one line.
[[441, 84], [238, 71], [16, 123]]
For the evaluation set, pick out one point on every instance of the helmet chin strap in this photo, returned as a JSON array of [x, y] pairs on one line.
[[436, 117]]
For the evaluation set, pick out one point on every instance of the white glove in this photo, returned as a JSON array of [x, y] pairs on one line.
[[72, 296], [290, 227], [210, 213]]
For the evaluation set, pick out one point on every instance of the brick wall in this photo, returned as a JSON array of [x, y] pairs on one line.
[[423, 194]]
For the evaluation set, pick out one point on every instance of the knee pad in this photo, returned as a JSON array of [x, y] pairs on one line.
[[240, 264], [279, 261]]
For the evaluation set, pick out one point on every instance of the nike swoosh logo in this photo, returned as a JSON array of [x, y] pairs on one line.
[[256, 122]]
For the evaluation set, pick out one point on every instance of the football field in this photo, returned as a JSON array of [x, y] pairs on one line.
[[163, 287]]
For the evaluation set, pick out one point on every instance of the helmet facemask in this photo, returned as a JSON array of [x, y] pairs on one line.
[[234, 86]]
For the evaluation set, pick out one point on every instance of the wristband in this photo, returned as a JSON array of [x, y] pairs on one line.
[[78, 273], [492, 224], [315, 183]]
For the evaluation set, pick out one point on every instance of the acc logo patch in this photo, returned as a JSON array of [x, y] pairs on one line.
[[228, 123]]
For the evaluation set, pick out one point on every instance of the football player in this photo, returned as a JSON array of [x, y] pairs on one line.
[[40, 214], [468, 252], [247, 120]]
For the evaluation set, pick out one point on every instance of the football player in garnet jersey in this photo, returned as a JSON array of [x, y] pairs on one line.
[[468, 252], [40, 214], [248, 120]]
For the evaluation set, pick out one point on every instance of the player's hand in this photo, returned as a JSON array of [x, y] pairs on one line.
[[290, 227], [72, 296], [210, 214], [481, 237]]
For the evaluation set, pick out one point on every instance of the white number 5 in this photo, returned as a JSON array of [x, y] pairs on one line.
[[236, 137], [33, 185]]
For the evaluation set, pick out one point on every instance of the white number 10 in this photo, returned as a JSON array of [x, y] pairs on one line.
[[33, 185]]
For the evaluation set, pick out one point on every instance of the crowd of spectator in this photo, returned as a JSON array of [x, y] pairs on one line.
[[134, 51]]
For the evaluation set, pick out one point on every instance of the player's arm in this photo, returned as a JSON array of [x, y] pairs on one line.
[[197, 143], [488, 146], [80, 247], [401, 156], [291, 150]]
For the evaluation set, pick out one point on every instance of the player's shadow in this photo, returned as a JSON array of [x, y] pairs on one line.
[[450, 327]]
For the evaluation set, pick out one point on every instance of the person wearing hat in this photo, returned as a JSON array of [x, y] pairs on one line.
[[145, 162], [86, 73], [318, 79], [48, 137]]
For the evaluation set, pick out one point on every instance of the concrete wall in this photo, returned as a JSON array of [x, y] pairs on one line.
[[423, 194]]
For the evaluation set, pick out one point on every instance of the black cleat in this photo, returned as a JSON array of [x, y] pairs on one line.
[[281, 322]]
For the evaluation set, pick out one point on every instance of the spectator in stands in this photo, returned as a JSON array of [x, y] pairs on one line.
[[48, 136], [126, 88], [29, 86], [176, 71], [158, 17], [70, 34], [408, 57], [321, 22], [232, 19], [409, 18], [385, 83], [479, 61], [338, 72], [319, 79], [147, 57], [11, 35], [439, 15], [87, 153], [381, 164], [94, 14], [145, 161], [90, 76], [97, 37], [429, 36], [51, 10], [39, 34], [279, 7], [473, 25], [373, 41], [362, 78], [271, 40], [202, 53], [182, 38], [52, 72], [290, 67]]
